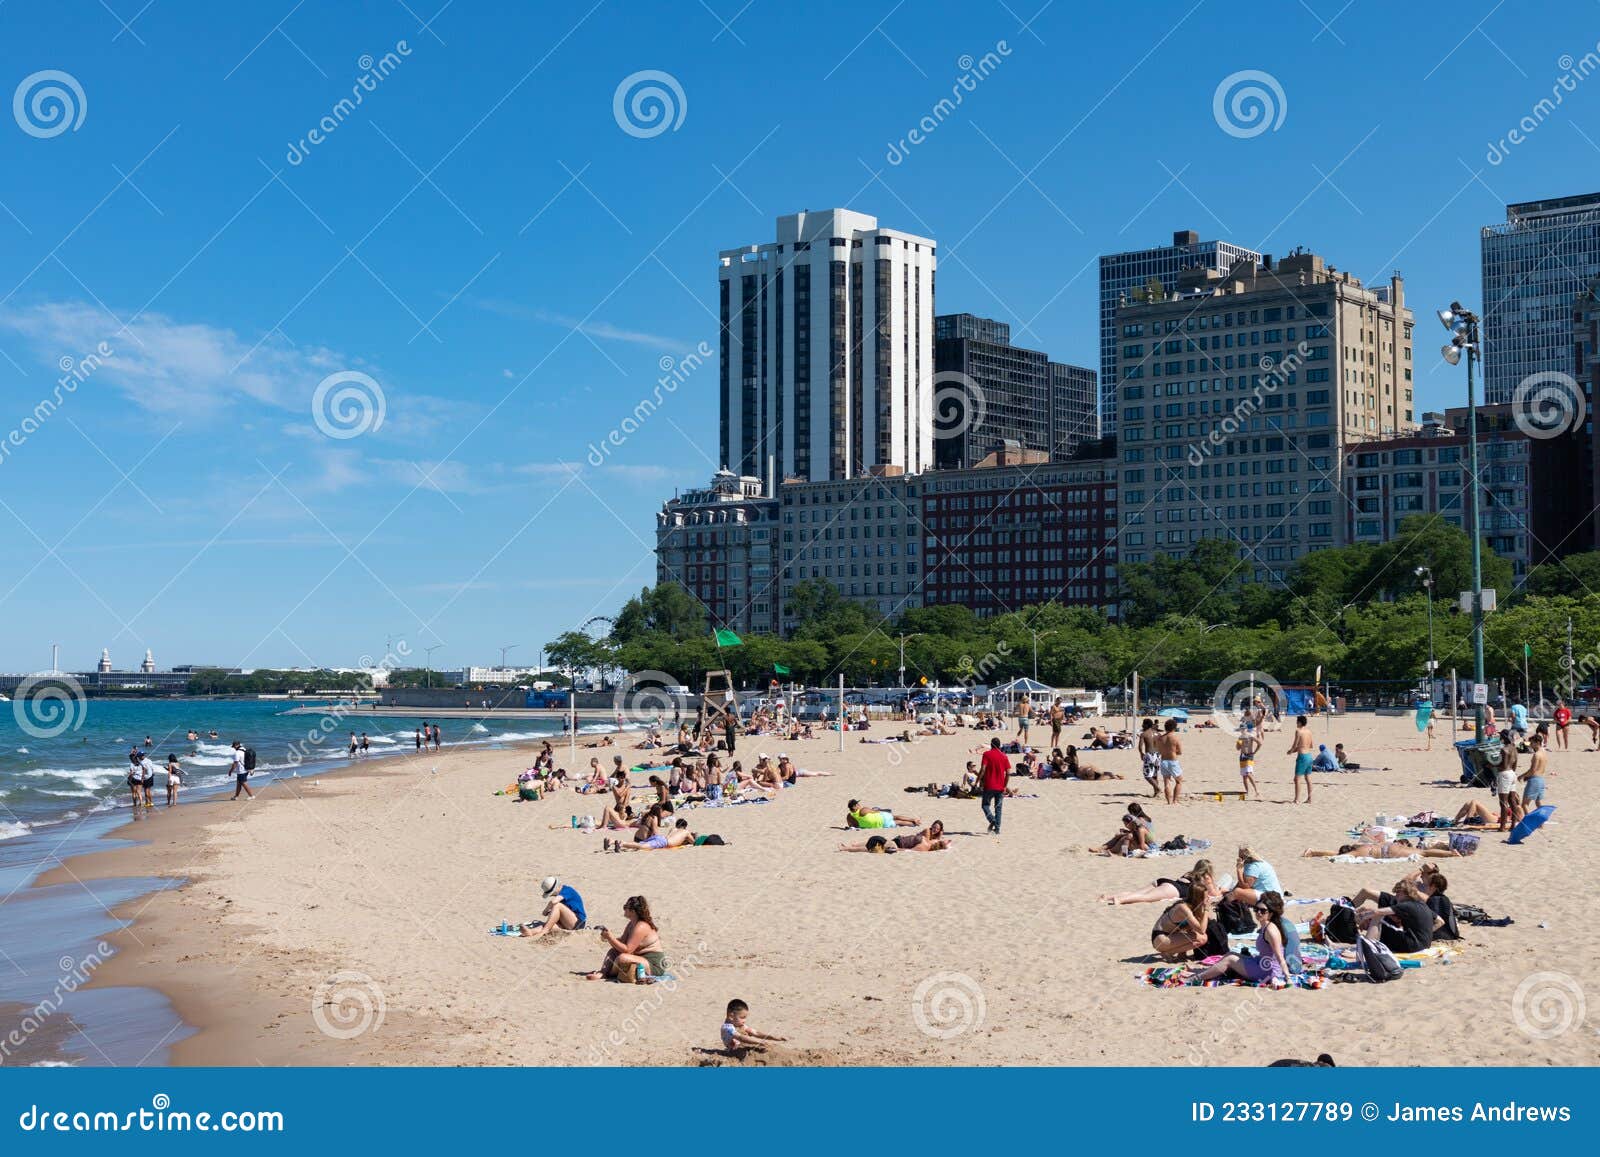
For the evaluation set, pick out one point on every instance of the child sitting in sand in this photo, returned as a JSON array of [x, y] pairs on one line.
[[738, 1036]]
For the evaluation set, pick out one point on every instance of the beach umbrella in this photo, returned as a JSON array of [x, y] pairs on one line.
[[1177, 713]]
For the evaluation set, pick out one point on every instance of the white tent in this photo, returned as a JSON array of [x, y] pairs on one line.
[[1017, 688]]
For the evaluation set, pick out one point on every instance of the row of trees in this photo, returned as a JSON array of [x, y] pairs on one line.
[[1358, 612]]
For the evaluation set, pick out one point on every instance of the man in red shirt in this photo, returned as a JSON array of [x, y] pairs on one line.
[[993, 774]]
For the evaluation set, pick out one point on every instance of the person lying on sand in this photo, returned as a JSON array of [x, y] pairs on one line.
[[1166, 888], [788, 772], [737, 1036], [1473, 814], [1077, 770], [603, 741], [1180, 930], [1387, 850], [918, 842], [857, 816], [655, 842], [636, 957]]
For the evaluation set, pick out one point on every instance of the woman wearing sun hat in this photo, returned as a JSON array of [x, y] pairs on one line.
[[564, 911]]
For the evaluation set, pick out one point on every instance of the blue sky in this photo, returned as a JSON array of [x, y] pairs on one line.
[[508, 268]]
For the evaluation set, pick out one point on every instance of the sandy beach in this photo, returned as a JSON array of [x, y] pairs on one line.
[[344, 919]]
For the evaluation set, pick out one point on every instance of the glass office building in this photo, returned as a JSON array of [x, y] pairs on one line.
[[1535, 266]]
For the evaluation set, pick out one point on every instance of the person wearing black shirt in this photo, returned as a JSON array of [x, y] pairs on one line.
[[1407, 924]]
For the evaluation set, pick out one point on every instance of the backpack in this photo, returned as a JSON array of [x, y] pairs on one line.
[[1236, 917], [1376, 960], [249, 759], [1340, 925]]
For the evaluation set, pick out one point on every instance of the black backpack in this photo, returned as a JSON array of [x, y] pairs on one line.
[[1236, 917], [1340, 926], [249, 759], [1377, 960]]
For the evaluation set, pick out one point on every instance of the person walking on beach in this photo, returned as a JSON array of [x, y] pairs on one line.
[[1563, 719], [1169, 747], [241, 772], [174, 779], [366, 744], [730, 728], [994, 772], [1058, 716], [353, 747], [418, 736], [1024, 716], [1303, 747], [436, 737], [1248, 744], [1150, 756]]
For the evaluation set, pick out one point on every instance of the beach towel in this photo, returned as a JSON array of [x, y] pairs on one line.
[[1302, 900], [1194, 844], [1373, 859], [1166, 976]]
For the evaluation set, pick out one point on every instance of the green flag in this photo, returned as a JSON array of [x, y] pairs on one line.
[[1527, 650], [779, 669], [728, 639]]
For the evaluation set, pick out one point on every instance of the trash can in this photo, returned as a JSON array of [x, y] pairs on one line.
[[1479, 761]]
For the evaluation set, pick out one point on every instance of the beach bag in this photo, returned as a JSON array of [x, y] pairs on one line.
[[1175, 844], [1340, 926], [1235, 917], [1464, 843], [249, 759], [1376, 960]]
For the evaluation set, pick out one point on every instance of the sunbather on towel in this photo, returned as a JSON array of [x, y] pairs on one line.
[[1388, 850], [931, 839], [857, 816], [1166, 888], [1134, 835], [1180, 930]]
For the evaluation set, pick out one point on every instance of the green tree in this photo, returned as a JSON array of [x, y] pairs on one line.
[[663, 609]]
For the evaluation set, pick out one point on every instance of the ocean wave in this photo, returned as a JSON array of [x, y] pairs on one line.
[[208, 760], [10, 831], [82, 776]]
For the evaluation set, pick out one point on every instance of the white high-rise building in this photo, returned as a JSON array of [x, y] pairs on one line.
[[827, 351]]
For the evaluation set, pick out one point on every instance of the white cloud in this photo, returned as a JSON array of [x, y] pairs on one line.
[[175, 368], [603, 330]]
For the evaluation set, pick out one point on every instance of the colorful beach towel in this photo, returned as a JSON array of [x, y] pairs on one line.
[[1166, 976], [1373, 859], [1192, 845]]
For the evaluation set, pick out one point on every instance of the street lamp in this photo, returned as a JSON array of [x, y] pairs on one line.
[[1426, 575], [503, 650], [1463, 327], [429, 652], [903, 639]]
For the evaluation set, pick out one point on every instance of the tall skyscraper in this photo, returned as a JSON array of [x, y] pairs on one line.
[[1123, 275], [987, 390], [1535, 266], [1239, 393], [827, 351]]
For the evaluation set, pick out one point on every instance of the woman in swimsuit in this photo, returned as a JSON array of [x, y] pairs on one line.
[[615, 817], [638, 947], [1180, 930], [1269, 967], [1165, 888], [1078, 770], [1387, 850], [1133, 837]]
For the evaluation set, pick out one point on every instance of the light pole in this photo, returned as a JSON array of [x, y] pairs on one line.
[[429, 652], [503, 650], [1463, 327], [903, 639], [1426, 575]]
